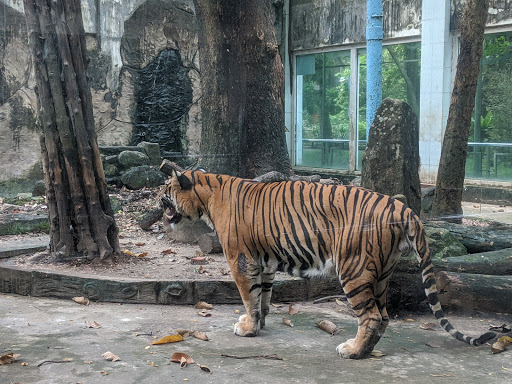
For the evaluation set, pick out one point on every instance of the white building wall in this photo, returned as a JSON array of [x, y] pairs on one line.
[[435, 84]]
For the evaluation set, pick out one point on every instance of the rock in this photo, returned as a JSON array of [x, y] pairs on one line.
[[116, 205], [114, 150], [110, 159], [427, 199], [110, 170], [17, 223], [187, 231], [128, 159], [152, 151], [391, 159], [142, 176], [443, 244], [39, 188]]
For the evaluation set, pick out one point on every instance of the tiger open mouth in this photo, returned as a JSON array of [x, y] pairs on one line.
[[171, 216]]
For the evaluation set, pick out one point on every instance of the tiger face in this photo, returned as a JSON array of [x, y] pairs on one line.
[[180, 200]]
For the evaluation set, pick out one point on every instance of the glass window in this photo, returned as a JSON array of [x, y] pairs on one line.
[[490, 141], [322, 121], [400, 80]]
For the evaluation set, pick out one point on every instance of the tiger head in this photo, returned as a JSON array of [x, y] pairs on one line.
[[185, 195]]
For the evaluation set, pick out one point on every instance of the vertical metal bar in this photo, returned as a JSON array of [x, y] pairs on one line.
[[374, 35]]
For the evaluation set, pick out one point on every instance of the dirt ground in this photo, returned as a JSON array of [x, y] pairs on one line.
[[145, 254]]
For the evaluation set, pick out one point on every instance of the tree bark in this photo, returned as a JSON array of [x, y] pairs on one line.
[[81, 218], [242, 82], [450, 176]]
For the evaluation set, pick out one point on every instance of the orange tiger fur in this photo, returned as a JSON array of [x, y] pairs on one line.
[[309, 229]]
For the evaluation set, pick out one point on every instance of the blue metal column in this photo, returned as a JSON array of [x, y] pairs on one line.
[[374, 37]]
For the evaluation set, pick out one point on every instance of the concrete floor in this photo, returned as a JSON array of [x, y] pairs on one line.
[[43, 329]]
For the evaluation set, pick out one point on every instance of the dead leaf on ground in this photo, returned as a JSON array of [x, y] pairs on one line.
[[143, 254], [501, 344], [433, 344], [81, 300], [140, 244], [9, 358], [92, 324], [429, 326], [127, 252], [339, 302], [287, 322], [204, 313], [203, 305], [409, 320], [443, 375], [182, 358], [168, 251], [169, 339], [377, 353], [199, 260], [225, 272], [291, 310], [110, 356], [196, 334], [202, 270], [327, 326], [205, 368]]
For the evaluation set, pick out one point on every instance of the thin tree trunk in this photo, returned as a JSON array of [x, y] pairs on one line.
[[242, 81], [81, 218], [450, 176]]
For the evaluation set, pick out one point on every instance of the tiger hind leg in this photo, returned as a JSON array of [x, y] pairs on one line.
[[247, 275], [370, 321], [267, 281]]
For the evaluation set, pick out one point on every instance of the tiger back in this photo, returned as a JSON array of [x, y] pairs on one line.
[[307, 230]]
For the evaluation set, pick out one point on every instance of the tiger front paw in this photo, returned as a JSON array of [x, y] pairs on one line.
[[348, 350], [246, 327]]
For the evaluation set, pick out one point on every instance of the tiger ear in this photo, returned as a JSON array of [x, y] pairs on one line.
[[184, 181]]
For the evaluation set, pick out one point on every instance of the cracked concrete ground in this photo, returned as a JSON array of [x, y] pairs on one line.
[[53, 332]]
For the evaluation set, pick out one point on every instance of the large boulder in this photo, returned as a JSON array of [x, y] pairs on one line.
[[129, 159], [391, 159], [142, 176]]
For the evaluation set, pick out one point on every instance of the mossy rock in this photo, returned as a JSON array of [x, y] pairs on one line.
[[443, 244]]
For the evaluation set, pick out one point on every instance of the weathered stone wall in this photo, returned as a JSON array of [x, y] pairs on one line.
[[319, 23], [500, 13], [143, 74]]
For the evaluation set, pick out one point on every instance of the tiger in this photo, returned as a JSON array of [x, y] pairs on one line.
[[309, 230]]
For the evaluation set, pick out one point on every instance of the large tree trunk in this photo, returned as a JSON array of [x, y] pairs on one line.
[[81, 218], [450, 176], [242, 82]]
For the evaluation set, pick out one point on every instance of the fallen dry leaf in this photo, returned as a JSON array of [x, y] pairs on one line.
[[110, 356], [433, 344], [328, 326], [92, 324], [143, 254], [181, 358], [204, 313], [168, 339], [377, 353], [198, 260], [203, 305], [225, 271], [205, 368], [429, 326], [196, 334], [9, 358], [501, 344], [81, 300], [287, 322], [339, 302], [140, 244], [127, 252], [409, 320], [167, 251], [152, 363], [202, 270], [291, 310]]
